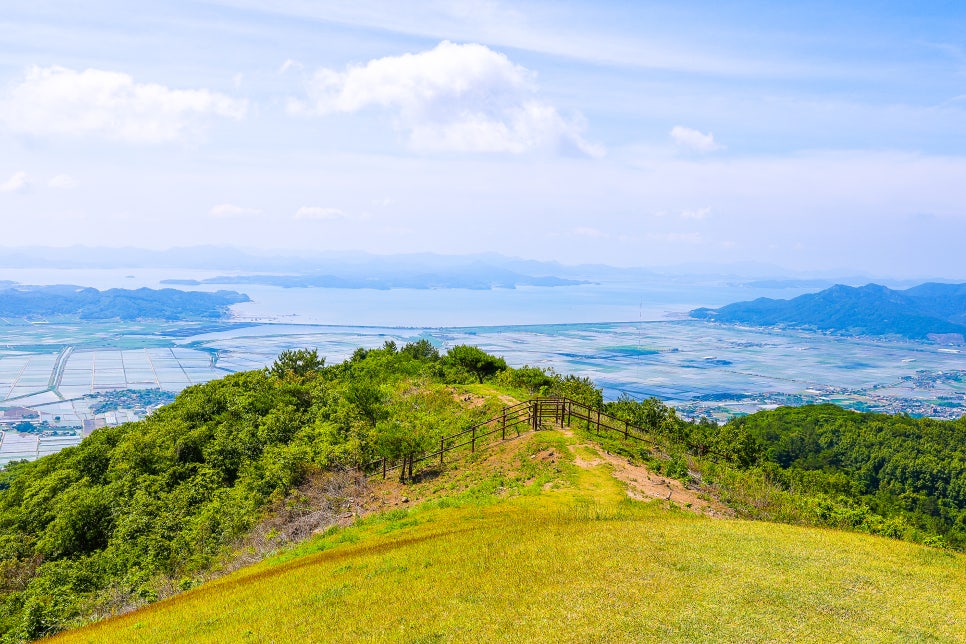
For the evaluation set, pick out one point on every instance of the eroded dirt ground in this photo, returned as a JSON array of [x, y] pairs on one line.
[[645, 485]]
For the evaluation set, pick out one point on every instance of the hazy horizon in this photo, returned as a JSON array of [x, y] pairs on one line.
[[248, 260], [815, 137]]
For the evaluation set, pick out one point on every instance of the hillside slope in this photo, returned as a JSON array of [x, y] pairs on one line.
[[123, 304], [537, 541], [917, 313]]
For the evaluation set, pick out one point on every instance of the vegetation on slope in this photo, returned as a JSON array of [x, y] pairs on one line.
[[872, 309], [134, 507], [894, 476], [138, 511], [535, 549]]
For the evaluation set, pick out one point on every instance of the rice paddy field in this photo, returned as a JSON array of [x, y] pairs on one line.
[[60, 368], [63, 368]]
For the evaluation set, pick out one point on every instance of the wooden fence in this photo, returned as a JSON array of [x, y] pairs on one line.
[[514, 420]]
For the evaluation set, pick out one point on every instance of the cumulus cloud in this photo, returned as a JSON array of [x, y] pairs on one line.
[[315, 212], [452, 97], [63, 182], [694, 140], [16, 183], [230, 211], [57, 101]]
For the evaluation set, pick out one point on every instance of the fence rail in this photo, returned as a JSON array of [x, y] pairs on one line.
[[531, 415]]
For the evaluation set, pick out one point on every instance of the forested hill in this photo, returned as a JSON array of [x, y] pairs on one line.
[[115, 303], [920, 312], [137, 510]]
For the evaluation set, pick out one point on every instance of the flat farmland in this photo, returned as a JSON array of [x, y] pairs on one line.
[[68, 371]]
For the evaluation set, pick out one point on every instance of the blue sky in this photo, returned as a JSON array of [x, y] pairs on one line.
[[807, 135]]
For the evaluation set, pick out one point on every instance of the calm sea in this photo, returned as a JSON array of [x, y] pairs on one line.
[[653, 299]]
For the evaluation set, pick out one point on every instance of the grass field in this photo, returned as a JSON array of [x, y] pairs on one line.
[[521, 547]]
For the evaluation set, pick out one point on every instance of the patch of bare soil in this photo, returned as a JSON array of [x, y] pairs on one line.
[[471, 400], [466, 399], [324, 500], [645, 485]]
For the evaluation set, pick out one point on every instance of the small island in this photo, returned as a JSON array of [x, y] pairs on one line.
[[116, 304]]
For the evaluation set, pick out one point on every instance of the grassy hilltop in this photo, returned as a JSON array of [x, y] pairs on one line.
[[529, 546], [233, 513]]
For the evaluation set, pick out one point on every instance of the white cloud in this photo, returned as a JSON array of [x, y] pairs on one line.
[[453, 97], [229, 211], [315, 212], [584, 231], [289, 64], [56, 101], [694, 140], [63, 182], [574, 33], [699, 213], [16, 183]]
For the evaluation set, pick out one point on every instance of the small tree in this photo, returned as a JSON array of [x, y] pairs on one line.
[[297, 363], [478, 362], [422, 350], [533, 379]]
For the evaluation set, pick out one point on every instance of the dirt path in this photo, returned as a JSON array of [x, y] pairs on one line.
[[645, 485]]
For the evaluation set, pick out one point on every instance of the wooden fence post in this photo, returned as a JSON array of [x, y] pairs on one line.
[[625, 431], [503, 426], [473, 442], [598, 421], [383, 467], [441, 451]]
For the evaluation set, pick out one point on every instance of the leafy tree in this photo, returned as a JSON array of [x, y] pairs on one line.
[[422, 350], [476, 361], [533, 380], [297, 363], [577, 388]]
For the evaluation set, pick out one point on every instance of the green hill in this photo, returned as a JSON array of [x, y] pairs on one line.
[[266, 463], [917, 313], [544, 550]]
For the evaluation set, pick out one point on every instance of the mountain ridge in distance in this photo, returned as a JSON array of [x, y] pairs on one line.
[[930, 311], [17, 301]]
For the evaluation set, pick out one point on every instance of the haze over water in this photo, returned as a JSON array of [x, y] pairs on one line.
[[651, 300]]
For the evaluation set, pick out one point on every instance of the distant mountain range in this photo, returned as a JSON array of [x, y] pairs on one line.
[[351, 265], [115, 303], [928, 311], [477, 277]]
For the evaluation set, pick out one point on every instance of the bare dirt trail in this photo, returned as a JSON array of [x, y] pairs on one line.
[[645, 485]]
